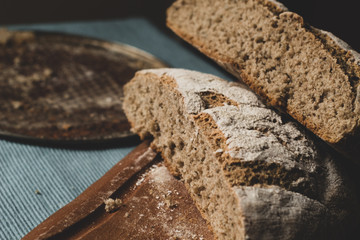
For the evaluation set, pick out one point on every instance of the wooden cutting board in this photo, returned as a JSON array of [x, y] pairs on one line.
[[63, 87]]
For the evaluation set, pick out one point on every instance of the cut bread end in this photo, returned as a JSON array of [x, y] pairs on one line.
[[241, 163]]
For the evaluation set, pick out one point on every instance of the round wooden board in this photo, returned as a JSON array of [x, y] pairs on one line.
[[64, 87]]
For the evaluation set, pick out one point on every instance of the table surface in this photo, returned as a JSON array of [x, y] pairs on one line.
[[37, 180]]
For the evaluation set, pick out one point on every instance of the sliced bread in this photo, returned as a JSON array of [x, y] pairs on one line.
[[308, 73]]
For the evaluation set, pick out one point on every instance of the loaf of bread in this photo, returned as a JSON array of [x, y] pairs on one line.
[[252, 173], [308, 73]]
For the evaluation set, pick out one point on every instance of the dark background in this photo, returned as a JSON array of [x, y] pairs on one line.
[[340, 17]]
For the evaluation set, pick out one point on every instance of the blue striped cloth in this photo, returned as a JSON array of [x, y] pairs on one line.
[[35, 181]]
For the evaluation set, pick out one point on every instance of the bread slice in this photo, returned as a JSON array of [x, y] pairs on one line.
[[307, 72], [252, 174]]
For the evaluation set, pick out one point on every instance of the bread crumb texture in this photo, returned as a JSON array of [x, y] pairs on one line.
[[112, 204], [252, 173], [304, 71]]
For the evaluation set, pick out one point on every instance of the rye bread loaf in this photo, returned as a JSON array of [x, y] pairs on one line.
[[308, 73], [252, 173]]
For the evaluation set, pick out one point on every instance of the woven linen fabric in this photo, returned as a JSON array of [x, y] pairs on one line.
[[35, 181]]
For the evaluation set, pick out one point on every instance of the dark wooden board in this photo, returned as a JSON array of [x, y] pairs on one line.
[[65, 87]]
